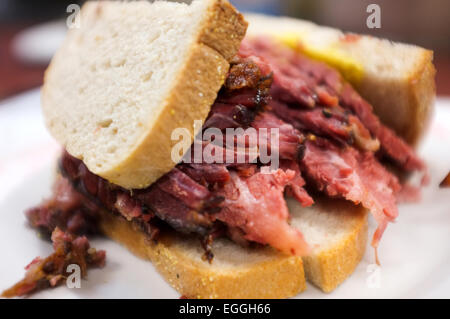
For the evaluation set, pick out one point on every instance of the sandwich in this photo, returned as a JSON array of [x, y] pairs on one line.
[[240, 155]]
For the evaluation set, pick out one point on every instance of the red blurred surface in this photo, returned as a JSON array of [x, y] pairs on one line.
[[442, 64], [16, 77]]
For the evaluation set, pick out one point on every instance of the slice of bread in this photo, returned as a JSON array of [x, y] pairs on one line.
[[118, 87], [397, 79], [336, 230], [235, 272]]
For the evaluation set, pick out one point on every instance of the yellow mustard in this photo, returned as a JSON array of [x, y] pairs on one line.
[[350, 69]]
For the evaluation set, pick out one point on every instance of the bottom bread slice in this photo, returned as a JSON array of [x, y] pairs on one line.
[[235, 272], [336, 231]]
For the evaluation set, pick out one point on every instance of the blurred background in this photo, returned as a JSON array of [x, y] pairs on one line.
[[30, 30]]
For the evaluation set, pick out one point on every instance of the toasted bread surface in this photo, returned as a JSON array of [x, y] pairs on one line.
[[397, 79], [134, 72]]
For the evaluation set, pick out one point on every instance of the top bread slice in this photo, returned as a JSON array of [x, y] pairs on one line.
[[397, 79], [131, 74]]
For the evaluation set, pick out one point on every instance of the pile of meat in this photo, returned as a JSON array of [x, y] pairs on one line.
[[330, 141]]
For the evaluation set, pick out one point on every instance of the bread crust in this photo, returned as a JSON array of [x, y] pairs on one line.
[[277, 276], [224, 29], [410, 101], [423, 94]]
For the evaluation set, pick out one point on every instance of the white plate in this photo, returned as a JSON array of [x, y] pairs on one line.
[[415, 251]]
